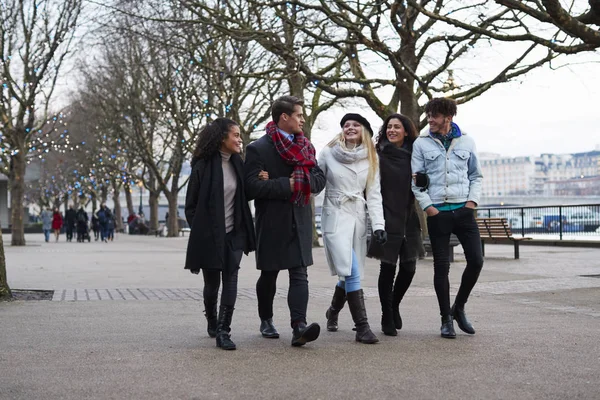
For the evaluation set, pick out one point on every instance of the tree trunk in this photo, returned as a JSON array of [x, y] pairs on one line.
[[153, 203], [128, 199], [173, 221], [17, 196], [5, 293], [94, 202], [103, 194], [117, 207]]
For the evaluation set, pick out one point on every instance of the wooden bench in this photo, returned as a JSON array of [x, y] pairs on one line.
[[497, 230]]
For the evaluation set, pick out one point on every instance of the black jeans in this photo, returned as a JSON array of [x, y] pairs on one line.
[[212, 281], [297, 298], [462, 223]]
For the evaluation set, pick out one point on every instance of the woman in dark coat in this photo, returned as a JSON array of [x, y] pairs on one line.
[[221, 224], [394, 147]]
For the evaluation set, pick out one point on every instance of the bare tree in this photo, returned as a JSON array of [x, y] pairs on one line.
[[35, 38], [5, 292], [575, 21]]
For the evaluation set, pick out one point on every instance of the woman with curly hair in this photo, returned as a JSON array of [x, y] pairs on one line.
[[221, 224], [394, 148]]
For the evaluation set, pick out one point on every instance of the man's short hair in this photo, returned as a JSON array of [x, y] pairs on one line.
[[441, 105], [285, 104]]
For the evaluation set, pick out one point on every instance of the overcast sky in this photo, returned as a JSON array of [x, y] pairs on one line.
[[551, 111]]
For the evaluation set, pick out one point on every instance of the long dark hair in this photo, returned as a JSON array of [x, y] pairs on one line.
[[408, 125], [211, 137]]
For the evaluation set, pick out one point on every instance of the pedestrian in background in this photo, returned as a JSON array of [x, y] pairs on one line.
[[351, 169], [57, 223], [95, 225], [394, 148], [448, 157], [82, 224], [103, 217], [70, 222], [46, 217], [221, 224]]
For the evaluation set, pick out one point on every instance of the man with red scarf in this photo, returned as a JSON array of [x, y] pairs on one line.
[[283, 214]]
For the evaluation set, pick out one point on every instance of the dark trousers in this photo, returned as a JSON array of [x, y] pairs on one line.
[[297, 294], [212, 281], [69, 230], [212, 278], [462, 223]]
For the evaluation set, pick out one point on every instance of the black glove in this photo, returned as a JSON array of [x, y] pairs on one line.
[[380, 236], [422, 181]]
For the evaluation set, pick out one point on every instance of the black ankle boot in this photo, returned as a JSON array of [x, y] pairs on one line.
[[302, 333], [356, 303], [447, 329], [337, 303], [224, 327], [210, 311], [458, 313], [267, 329]]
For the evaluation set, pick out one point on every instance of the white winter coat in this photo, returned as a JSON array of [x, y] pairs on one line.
[[344, 218]]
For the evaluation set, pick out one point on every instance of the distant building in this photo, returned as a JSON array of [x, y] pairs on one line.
[[586, 186], [504, 176], [548, 174]]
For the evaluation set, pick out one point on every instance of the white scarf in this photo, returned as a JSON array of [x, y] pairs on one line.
[[347, 156]]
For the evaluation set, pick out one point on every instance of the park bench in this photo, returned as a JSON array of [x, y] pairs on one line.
[[497, 230]]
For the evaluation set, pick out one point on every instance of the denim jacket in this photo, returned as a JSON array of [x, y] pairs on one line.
[[454, 176]]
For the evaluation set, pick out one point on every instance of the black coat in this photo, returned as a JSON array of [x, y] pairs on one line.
[[205, 214], [283, 230], [70, 217], [401, 218]]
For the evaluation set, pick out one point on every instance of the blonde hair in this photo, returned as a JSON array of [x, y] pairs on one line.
[[371, 152]]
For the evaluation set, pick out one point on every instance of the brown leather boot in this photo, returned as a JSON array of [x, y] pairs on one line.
[[356, 303]]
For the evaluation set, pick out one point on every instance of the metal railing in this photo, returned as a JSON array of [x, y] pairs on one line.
[[570, 222]]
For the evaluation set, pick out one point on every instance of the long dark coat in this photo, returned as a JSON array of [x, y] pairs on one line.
[[283, 230], [401, 219], [205, 214]]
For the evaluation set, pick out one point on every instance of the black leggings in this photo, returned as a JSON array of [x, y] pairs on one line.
[[212, 281]]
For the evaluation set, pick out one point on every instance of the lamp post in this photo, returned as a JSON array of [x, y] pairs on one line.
[[141, 210]]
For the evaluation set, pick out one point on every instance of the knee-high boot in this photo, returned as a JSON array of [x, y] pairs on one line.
[[337, 303], [385, 288], [356, 303], [224, 327]]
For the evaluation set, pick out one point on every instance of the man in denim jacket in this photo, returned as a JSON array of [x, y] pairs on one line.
[[449, 158]]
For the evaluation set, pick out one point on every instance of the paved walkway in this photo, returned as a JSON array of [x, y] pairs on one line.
[[125, 322]]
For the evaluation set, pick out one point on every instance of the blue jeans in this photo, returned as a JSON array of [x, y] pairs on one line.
[[47, 235], [352, 282], [103, 231]]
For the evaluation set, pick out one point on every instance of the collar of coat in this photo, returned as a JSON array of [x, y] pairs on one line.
[[426, 133]]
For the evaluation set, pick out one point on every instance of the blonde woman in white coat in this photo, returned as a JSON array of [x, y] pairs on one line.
[[351, 169]]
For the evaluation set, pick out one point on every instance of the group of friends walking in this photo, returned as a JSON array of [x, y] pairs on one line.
[[362, 180], [102, 224]]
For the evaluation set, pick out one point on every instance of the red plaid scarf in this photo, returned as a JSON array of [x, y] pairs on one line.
[[301, 154]]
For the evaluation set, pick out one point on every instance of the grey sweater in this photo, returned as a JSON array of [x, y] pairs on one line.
[[229, 188]]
